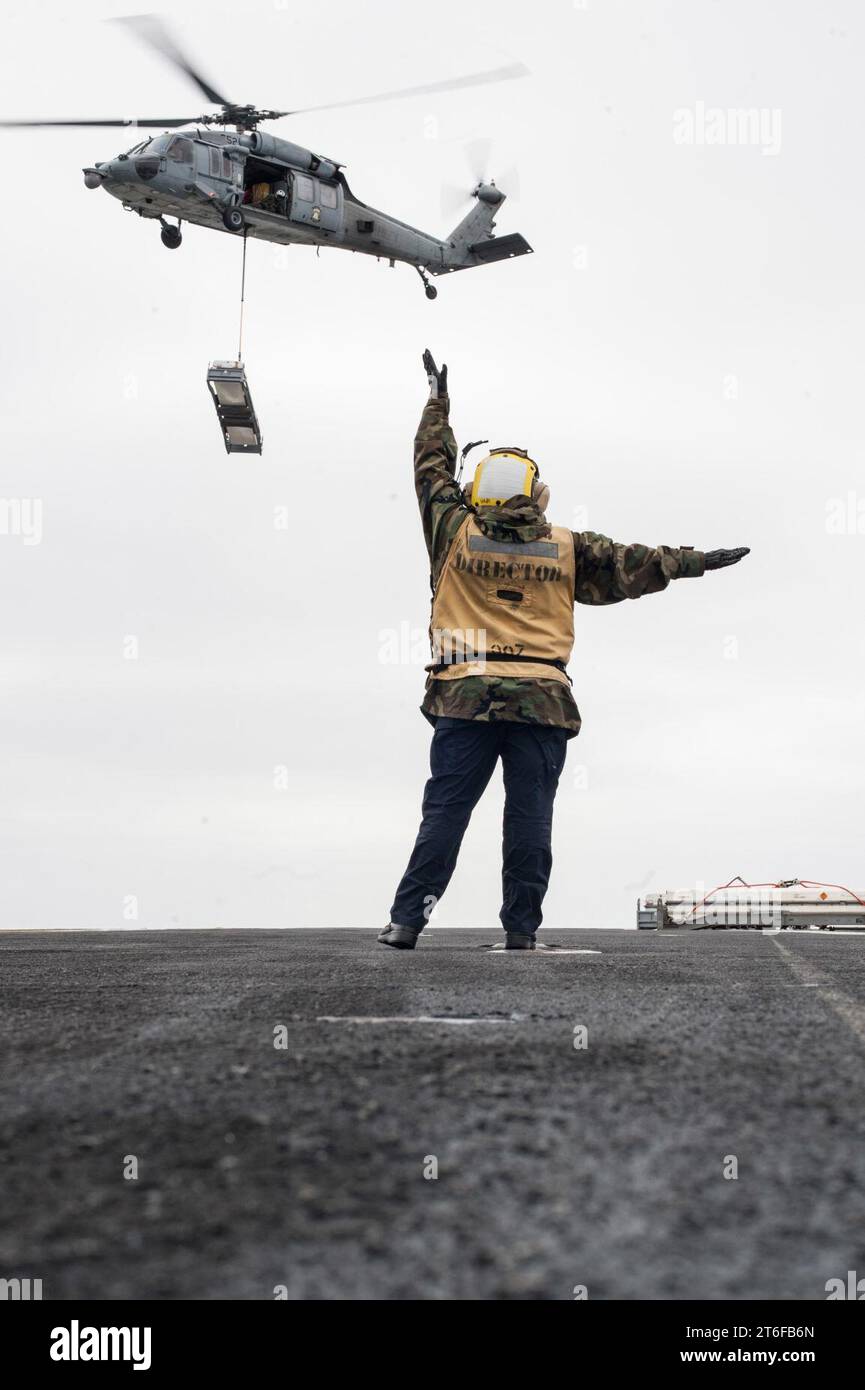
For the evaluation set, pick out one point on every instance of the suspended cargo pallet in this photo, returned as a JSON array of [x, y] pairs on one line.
[[229, 388]]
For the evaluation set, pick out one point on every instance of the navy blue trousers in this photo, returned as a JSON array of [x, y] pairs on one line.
[[462, 758]]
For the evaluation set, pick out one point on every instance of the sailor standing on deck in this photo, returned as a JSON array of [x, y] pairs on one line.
[[504, 587]]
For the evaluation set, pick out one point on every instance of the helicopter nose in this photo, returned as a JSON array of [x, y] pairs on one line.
[[94, 176]]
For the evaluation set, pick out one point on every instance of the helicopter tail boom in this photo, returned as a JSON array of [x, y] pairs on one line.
[[472, 242]]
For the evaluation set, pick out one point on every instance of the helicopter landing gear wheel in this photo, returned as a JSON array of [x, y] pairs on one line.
[[171, 237], [429, 290], [233, 220]]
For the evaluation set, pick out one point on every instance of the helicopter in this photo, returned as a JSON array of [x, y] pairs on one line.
[[228, 175]]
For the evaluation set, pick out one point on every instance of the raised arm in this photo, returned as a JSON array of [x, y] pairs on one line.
[[435, 457]]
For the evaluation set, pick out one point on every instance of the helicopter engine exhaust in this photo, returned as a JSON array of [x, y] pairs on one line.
[[270, 146]]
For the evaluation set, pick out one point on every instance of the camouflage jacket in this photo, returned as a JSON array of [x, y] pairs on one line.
[[606, 572]]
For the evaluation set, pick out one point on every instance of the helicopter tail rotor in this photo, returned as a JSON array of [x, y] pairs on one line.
[[478, 155]]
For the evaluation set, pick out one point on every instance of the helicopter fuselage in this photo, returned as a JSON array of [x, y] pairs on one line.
[[277, 191]]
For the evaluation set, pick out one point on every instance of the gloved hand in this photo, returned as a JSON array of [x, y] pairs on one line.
[[720, 559], [438, 380]]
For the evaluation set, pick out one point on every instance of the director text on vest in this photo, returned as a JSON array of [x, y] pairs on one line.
[[507, 569]]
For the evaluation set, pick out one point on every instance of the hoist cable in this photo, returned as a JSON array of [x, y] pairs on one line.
[[242, 298]]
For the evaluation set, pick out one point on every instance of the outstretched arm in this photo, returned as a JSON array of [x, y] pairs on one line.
[[607, 572], [435, 458]]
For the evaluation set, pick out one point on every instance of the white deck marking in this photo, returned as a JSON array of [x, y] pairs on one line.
[[421, 1018], [546, 951], [849, 1010]]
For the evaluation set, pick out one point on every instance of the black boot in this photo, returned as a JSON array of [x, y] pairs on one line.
[[402, 938], [516, 941]]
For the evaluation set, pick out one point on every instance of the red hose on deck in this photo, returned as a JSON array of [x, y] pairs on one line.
[[788, 883]]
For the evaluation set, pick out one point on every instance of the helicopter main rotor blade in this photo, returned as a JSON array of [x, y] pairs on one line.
[[160, 124], [151, 30], [474, 79]]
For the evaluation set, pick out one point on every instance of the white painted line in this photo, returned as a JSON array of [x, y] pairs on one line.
[[545, 951], [396, 1018], [849, 1010]]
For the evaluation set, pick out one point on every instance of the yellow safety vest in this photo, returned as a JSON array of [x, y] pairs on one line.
[[504, 598]]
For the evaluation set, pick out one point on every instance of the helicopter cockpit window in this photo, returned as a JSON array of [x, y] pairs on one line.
[[328, 195], [180, 150], [159, 144], [304, 189]]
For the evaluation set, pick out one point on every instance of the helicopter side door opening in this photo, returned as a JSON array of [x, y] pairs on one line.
[[266, 186]]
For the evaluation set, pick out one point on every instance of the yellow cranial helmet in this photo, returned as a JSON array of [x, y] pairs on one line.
[[503, 474]]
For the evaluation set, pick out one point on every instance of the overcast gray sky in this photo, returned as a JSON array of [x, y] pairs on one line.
[[683, 355]]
